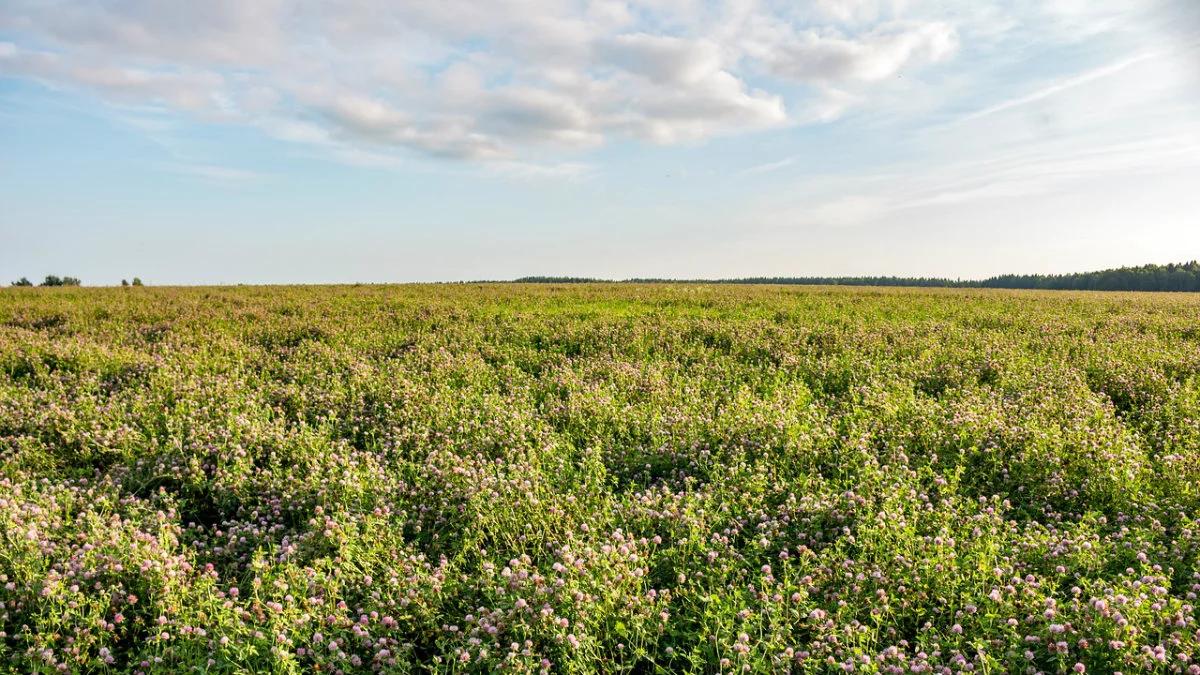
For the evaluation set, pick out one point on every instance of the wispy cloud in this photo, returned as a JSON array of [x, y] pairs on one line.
[[1034, 170], [534, 170], [1059, 87], [768, 167], [218, 173], [1027, 170]]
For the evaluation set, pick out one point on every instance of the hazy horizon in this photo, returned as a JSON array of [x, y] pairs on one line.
[[368, 141], [549, 278]]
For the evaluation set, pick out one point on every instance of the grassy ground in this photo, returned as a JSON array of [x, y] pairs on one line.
[[598, 479]]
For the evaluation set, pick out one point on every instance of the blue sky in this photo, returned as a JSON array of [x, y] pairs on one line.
[[388, 140]]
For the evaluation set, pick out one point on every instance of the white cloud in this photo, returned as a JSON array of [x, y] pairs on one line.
[[183, 88], [506, 79], [454, 78], [671, 115], [231, 32], [506, 74], [662, 58], [816, 57], [530, 113]]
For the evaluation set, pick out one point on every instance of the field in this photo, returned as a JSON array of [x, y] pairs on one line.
[[598, 478]]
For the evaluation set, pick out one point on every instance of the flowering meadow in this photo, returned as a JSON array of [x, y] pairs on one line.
[[598, 479]]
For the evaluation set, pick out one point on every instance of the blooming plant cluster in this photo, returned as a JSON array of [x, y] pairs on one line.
[[598, 479]]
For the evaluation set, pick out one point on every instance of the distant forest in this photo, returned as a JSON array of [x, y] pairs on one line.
[[1172, 277]]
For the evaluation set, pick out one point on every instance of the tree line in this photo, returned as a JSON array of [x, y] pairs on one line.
[[55, 280], [1171, 277], [50, 280]]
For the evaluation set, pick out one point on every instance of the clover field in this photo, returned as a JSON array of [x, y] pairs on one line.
[[598, 479]]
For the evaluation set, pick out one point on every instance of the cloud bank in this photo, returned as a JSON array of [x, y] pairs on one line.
[[509, 81], [501, 80]]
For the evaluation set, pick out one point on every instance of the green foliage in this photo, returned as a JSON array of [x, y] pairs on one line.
[[555, 280], [22, 282], [1172, 277], [53, 280], [598, 478]]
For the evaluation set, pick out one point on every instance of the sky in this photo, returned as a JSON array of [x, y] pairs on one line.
[[306, 141]]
